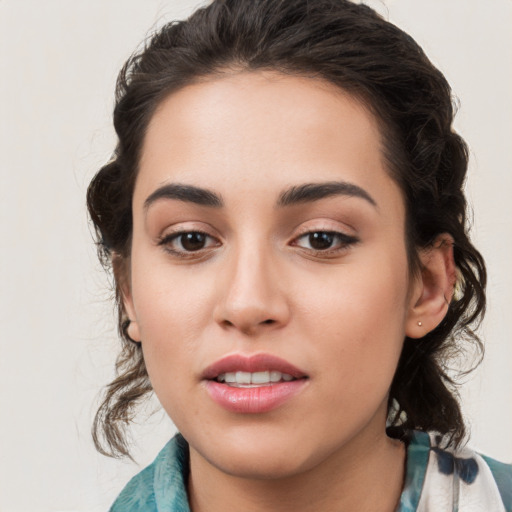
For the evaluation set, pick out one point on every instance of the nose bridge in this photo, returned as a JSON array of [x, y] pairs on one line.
[[251, 278], [251, 293]]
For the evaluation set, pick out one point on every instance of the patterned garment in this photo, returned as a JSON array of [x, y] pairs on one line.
[[443, 481], [436, 480]]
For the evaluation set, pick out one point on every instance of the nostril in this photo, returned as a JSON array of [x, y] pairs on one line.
[[268, 321]]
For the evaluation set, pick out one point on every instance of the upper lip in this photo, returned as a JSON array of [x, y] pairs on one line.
[[252, 363]]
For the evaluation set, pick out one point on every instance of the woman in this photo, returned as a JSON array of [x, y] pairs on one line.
[[285, 220]]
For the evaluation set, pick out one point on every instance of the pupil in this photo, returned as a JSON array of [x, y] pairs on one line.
[[321, 240], [193, 241]]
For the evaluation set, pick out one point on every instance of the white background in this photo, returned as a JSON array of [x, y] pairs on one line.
[[58, 63]]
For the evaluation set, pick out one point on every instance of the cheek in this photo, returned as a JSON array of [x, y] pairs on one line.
[[170, 329], [171, 309], [358, 320], [168, 298], [171, 321]]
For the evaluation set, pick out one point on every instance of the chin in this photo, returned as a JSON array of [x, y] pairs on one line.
[[260, 455], [265, 466]]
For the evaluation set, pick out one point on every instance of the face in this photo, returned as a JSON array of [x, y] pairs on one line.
[[268, 282]]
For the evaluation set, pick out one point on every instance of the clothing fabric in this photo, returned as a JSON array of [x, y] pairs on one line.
[[436, 480]]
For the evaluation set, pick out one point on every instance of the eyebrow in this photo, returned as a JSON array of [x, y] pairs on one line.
[[186, 193], [305, 193], [309, 192]]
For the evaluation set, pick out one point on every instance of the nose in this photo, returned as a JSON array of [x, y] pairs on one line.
[[252, 298]]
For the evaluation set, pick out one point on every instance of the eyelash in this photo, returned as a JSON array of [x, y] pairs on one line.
[[344, 243], [167, 240]]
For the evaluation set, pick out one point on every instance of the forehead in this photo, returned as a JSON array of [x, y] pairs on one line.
[[261, 129]]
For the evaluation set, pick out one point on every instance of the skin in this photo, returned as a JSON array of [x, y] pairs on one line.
[[258, 286]]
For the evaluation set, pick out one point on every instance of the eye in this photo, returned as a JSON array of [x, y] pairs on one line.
[[187, 242], [325, 241]]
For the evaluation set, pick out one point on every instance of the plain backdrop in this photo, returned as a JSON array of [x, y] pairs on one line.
[[58, 64]]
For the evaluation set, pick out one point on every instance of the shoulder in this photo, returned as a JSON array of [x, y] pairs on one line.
[[440, 477], [502, 474], [160, 486], [138, 494], [479, 477]]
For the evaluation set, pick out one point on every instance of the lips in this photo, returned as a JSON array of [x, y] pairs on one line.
[[251, 364], [255, 384]]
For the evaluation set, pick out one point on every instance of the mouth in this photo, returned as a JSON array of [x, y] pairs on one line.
[[241, 379], [253, 384], [254, 370]]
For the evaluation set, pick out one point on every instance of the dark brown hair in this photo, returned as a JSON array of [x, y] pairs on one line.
[[351, 46]]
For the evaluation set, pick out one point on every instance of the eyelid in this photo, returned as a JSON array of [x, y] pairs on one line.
[[325, 225], [187, 227], [346, 240], [173, 233], [176, 234]]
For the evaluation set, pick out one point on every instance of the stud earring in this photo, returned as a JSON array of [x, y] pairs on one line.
[[420, 324]]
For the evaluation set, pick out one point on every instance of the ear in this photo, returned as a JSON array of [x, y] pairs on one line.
[[120, 266], [433, 288]]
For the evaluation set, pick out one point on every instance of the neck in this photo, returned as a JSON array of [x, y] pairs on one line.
[[341, 482]]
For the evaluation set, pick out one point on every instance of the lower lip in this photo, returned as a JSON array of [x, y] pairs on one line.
[[253, 400]]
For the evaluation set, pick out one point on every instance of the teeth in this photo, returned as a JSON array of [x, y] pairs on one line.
[[229, 377], [243, 378], [260, 377], [248, 379], [275, 376]]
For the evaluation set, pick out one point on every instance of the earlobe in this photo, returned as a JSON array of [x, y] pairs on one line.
[[121, 274], [133, 331], [433, 289], [132, 328]]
